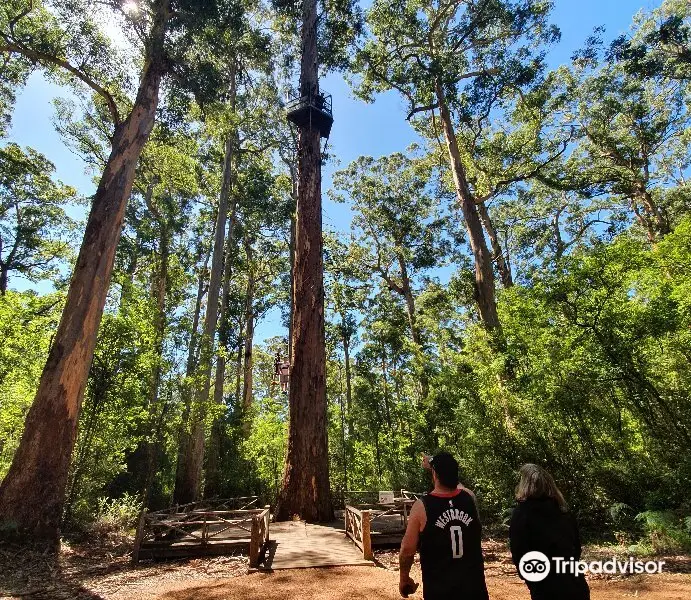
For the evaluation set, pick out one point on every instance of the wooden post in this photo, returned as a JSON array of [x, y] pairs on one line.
[[139, 537], [266, 522], [254, 544], [366, 539]]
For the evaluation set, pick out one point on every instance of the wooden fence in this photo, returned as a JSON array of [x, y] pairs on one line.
[[200, 529], [259, 538], [357, 527]]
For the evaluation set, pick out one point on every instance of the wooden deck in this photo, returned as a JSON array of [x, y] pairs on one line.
[[201, 529], [295, 545], [214, 528]]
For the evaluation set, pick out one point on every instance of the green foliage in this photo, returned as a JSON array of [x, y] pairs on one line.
[[659, 46], [118, 513], [27, 324], [665, 531], [114, 408], [34, 228]]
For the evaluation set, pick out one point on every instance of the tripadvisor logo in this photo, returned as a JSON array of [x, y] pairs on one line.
[[535, 566]]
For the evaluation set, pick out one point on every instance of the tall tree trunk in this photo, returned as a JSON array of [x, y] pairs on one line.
[[484, 277], [159, 291], [406, 290], [191, 479], [238, 372], [348, 376], [3, 278], [249, 343], [33, 491], [213, 482], [497, 250], [186, 392], [292, 286], [305, 488], [188, 485]]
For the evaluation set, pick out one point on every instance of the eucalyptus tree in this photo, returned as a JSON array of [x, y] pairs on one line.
[[64, 40], [168, 185], [633, 142], [400, 219], [34, 227], [347, 288], [258, 261], [544, 225], [385, 419], [659, 44], [247, 52], [305, 488], [465, 60]]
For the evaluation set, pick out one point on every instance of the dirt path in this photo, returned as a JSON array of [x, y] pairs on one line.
[[371, 583], [103, 572]]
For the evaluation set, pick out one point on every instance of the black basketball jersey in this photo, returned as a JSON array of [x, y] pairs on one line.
[[451, 550]]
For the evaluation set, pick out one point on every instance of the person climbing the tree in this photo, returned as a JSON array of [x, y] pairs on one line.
[[444, 525], [541, 522], [282, 371]]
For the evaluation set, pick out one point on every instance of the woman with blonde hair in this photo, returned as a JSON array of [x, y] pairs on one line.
[[541, 522]]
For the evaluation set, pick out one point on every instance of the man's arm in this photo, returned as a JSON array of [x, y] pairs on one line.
[[406, 557]]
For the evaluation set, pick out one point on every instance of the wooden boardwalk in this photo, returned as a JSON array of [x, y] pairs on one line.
[[295, 544], [218, 527]]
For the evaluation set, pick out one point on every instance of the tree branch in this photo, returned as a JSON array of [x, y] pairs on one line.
[[419, 109], [38, 56]]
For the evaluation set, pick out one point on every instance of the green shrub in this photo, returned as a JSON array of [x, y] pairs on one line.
[[117, 513], [665, 531]]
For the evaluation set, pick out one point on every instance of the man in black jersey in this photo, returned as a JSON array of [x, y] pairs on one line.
[[444, 526]]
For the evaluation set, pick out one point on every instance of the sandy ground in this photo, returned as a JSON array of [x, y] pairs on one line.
[[371, 583], [103, 572]]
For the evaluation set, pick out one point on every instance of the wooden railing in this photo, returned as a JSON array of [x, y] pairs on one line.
[[240, 503], [260, 535], [407, 494], [200, 527], [357, 527]]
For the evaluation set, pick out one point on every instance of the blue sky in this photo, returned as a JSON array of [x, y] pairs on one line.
[[373, 129]]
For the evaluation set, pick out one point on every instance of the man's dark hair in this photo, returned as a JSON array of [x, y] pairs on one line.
[[446, 468]]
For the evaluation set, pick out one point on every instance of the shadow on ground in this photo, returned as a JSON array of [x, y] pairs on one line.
[[42, 575]]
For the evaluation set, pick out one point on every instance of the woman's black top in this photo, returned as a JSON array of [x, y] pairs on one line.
[[451, 548], [538, 524]]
